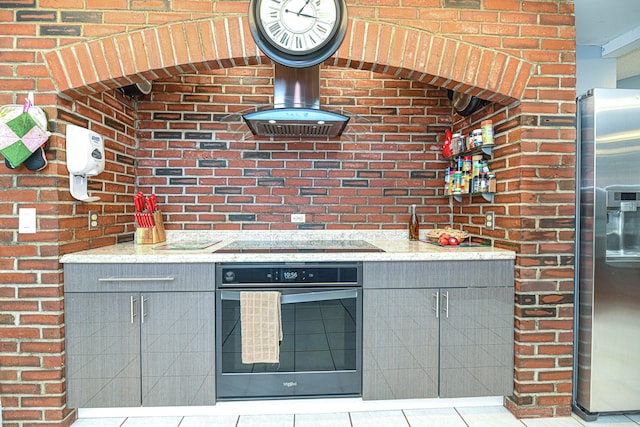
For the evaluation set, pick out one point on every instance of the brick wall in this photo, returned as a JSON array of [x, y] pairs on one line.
[[520, 55], [209, 172]]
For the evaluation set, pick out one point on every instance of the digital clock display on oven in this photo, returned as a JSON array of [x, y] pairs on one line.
[[290, 275]]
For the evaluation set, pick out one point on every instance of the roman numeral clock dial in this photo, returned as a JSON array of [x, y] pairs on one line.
[[298, 33]]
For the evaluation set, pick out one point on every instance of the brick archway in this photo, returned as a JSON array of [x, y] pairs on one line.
[[158, 52]]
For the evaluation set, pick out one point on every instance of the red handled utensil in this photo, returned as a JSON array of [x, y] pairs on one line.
[[144, 219], [150, 202], [138, 202], [149, 219]]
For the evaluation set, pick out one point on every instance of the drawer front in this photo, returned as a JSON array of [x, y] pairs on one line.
[[438, 274], [139, 277]]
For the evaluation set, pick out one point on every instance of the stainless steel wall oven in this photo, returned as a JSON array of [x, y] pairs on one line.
[[321, 348]]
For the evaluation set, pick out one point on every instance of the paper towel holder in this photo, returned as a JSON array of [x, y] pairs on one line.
[[85, 157]]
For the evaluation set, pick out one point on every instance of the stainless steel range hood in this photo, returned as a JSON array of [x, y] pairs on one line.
[[296, 112]]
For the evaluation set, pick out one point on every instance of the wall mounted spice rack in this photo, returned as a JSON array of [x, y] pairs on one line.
[[469, 175]]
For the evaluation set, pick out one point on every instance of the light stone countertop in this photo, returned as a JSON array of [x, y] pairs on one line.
[[396, 246]]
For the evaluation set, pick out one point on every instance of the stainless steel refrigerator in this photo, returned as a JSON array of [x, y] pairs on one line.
[[607, 362]]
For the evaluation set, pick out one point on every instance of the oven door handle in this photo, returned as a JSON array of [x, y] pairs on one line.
[[301, 297]]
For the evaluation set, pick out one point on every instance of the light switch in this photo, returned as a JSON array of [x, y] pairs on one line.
[[27, 220]]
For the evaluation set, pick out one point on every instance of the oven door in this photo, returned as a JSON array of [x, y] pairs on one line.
[[320, 354]]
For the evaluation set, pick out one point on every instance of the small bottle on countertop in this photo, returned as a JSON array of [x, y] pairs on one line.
[[414, 225]]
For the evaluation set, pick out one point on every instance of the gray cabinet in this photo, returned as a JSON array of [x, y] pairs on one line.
[[139, 335], [424, 335], [102, 351], [476, 342], [399, 344]]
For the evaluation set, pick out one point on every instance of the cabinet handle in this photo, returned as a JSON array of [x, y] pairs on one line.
[[132, 308], [143, 313], [136, 279], [446, 306], [436, 296]]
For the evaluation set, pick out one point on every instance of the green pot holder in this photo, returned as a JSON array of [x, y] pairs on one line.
[[23, 132]]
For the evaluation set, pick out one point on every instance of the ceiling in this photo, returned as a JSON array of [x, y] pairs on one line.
[[615, 26]]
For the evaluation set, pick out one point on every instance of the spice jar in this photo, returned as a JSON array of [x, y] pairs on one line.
[[491, 185], [476, 135], [487, 132], [457, 183], [466, 164], [461, 144], [455, 139]]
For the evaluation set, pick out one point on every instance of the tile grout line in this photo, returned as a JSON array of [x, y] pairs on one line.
[[405, 417], [461, 417]]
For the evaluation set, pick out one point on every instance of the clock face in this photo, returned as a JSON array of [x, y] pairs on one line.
[[298, 33], [298, 25]]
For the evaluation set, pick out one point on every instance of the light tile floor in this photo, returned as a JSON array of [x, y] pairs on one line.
[[477, 416]]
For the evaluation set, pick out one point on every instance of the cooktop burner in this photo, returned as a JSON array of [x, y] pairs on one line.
[[297, 246]]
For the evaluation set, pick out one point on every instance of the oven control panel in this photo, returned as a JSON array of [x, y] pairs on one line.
[[257, 274]]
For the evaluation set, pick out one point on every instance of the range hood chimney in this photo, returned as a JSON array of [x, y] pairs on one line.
[[296, 112]]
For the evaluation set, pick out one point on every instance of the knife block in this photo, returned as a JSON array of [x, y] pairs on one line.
[[151, 235]]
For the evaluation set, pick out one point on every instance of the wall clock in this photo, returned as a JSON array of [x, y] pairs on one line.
[[298, 33]]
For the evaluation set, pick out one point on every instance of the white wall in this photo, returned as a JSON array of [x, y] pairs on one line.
[[592, 70], [630, 83]]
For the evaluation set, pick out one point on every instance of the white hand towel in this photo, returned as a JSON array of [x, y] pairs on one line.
[[260, 326]]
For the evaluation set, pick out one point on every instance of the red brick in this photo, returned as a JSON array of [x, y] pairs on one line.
[[112, 59], [180, 46], [537, 388], [536, 363], [195, 47], [19, 361], [555, 349], [20, 388], [553, 400], [357, 45], [10, 414], [47, 402], [125, 54], [41, 375], [222, 51]]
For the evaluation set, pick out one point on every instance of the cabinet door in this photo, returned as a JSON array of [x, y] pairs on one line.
[[178, 357], [102, 350], [476, 339], [400, 344]]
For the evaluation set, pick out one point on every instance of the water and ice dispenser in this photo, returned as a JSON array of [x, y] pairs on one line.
[[623, 225], [85, 157]]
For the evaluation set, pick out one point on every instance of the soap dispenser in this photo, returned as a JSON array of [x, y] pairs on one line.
[[85, 157]]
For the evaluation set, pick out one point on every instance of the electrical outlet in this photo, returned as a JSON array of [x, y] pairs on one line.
[[93, 220], [297, 218], [489, 220]]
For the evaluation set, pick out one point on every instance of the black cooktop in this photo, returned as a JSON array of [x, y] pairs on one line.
[[297, 246]]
